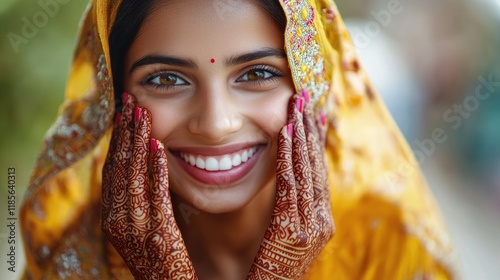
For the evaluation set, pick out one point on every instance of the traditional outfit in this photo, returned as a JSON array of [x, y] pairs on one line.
[[387, 223]]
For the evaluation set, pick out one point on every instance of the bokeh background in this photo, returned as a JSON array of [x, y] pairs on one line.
[[427, 58]]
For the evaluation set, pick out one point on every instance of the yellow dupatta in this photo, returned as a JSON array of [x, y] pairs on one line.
[[388, 226]]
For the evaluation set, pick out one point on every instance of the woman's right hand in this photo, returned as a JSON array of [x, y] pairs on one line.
[[137, 213]]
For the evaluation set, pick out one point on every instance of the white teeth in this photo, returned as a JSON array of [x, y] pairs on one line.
[[211, 164], [200, 163], [236, 160], [225, 162], [192, 160]]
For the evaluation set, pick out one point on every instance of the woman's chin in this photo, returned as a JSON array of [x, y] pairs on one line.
[[213, 200]]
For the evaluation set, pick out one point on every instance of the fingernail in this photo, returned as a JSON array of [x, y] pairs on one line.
[[138, 113], [154, 146], [125, 98], [290, 130], [305, 95], [118, 117], [323, 119], [300, 104]]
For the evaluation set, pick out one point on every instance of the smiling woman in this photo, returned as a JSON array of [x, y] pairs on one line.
[[208, 111], [241, 132]]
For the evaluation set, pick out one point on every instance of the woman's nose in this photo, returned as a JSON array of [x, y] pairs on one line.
[[216, 116]]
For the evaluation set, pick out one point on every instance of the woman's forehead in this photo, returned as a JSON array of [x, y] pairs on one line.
[[207, 10], [190, 26]]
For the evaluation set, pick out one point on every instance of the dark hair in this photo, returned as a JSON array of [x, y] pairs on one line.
[[129, 19]]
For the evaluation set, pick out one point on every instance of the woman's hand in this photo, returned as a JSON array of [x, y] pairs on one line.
[[301, 222], [137, 214]]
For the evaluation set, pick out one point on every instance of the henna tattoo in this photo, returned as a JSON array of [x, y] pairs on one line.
[[137, 213], [138, 219], [301, 222]]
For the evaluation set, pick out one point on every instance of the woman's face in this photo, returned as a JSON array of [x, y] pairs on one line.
[[216, 80]]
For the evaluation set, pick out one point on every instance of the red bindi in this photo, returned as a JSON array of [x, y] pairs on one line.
[[212, 60]]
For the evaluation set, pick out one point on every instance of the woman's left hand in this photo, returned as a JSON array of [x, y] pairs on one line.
[[301, 222]]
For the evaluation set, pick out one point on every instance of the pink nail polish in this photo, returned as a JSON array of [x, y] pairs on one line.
[[125, 98], [138, 113], [300, 104], [154, 146], [290, 130], [305, 95], [118, 117], [323, 119]]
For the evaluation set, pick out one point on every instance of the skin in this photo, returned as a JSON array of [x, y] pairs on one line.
[[213, 105], [234, 231], [138, 217]]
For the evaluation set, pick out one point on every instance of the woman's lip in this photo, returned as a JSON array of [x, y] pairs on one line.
[[214, 151], [221, 177]]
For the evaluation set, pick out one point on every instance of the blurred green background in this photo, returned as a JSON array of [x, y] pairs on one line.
[[33, 78], [32, 81], [425, 57]]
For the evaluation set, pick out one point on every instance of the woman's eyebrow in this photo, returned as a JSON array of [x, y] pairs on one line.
[[162, 59], [246, 57], [233, 60]]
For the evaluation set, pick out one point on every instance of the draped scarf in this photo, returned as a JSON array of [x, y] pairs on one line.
[[387, 223]]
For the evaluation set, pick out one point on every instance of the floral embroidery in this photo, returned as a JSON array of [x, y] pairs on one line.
[[303, 50]]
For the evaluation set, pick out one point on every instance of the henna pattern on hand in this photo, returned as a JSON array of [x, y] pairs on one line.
[[138, 219], [301, 223], [137, 213]]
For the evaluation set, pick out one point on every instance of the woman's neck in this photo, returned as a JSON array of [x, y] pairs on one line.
[[223, 246]]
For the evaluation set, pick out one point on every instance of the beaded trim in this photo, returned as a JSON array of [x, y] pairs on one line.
[[304, 57]]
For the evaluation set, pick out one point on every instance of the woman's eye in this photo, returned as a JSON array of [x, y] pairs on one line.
[[167, 80], [256, 75]]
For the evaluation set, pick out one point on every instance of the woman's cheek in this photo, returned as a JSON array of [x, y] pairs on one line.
[[161, 117], [162, 124], [276, 111]]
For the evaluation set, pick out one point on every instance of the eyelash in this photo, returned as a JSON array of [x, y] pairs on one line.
[[157, 74], [275, 73]]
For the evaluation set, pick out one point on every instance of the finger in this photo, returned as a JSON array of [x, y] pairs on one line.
[[301, 165], [122, 156], [107, 172], [286, 199], [311, 127], [138, 176], [321, 123], [163, 219], [161, 205], [315, 153]]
